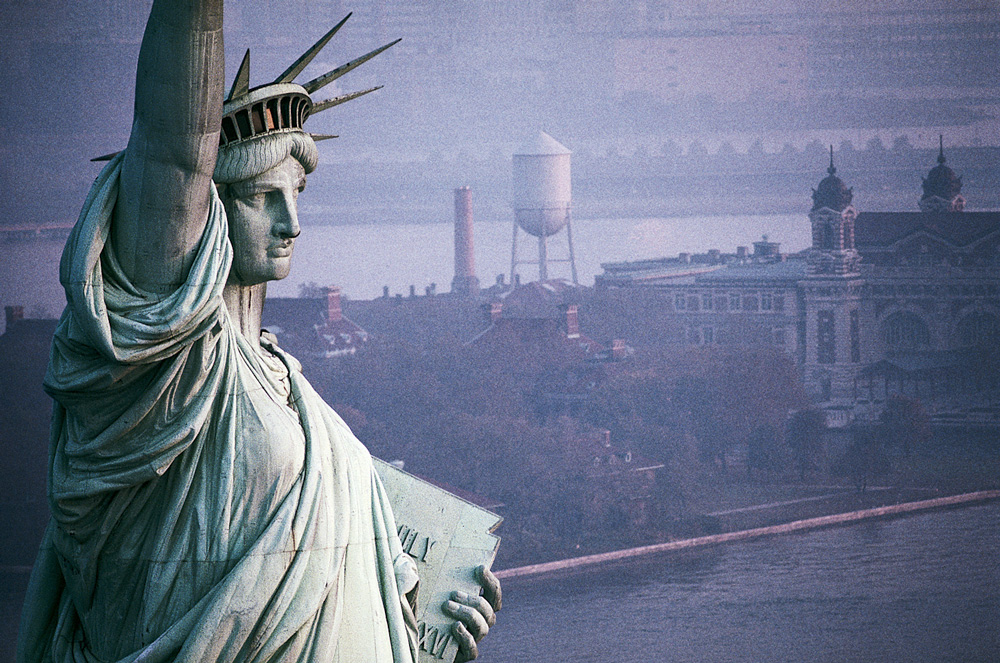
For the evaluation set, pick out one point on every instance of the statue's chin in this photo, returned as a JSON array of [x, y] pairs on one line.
[[282, 269], [276, 271]]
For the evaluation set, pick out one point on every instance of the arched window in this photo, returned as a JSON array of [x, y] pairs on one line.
[[905, 332], [825, 235], [978, 329]]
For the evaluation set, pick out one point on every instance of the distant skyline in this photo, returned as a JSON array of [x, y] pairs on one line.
[[474, 78]]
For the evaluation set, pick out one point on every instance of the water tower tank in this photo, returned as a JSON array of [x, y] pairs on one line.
[[542, 192]]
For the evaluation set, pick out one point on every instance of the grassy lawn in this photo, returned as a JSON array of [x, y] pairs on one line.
[[949, 472], [946, 464], [726, 493]]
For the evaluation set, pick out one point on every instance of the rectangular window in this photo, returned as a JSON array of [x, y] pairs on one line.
[[855, 337], [694, 303], [734, 301], [706, 302], [778, 303], [680, 302], [721, 303], [765, 301], [826, 352], [694, 338], [751, 303], [779, 336], [708, 335]]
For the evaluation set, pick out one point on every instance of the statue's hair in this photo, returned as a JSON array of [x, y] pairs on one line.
[[249, 158]]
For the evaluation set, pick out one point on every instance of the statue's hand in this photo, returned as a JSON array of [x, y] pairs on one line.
[[475, 614]]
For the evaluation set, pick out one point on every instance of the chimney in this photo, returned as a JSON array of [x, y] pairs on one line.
[[684, 258], [13, 314], [741, 252], [333, 311], [493, 312], [465, 281], [571, 321], [385, 291], [413, 290], [714, 255]]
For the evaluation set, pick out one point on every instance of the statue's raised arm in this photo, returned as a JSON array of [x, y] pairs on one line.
[[167, 171]]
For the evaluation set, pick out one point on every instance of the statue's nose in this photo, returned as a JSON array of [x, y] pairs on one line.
[[288, 225]]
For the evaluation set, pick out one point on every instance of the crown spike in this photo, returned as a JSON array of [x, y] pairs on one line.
[[336, 101], [241, 85], [289, 74], [106, 157], [331, 76], [832, 169], [318, 137]]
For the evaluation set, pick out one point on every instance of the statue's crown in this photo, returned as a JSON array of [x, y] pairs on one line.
[[283, 105]]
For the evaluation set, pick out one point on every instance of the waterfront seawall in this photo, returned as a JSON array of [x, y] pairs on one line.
[[581, 563]]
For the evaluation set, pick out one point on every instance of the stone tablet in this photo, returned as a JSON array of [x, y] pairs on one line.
[[447, 537]]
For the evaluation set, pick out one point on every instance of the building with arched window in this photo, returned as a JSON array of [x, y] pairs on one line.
[[882, 302]]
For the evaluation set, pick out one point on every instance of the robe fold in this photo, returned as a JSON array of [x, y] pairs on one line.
[[207, 505]]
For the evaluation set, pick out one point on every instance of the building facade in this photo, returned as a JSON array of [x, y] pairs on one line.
[[880, 302]]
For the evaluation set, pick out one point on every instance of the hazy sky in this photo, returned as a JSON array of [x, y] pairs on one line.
[[475, 77]]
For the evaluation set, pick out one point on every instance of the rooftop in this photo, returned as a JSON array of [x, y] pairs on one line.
[[874, 230], [766, 264], [791, 271], [541, 145]]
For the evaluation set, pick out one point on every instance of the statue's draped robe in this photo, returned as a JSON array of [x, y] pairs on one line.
[[207, 504]]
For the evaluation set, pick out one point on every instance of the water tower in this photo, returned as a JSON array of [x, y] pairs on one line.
[[542, 201]]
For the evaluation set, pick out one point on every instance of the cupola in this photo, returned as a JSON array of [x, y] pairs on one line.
[[832, 192], [942, 187]]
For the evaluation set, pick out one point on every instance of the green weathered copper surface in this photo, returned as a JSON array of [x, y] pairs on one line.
[[448, 538], [207, 504]]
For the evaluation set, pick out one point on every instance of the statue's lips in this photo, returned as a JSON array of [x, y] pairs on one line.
[[280, 251]]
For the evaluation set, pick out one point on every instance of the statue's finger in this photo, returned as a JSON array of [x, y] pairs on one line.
[[473, 620], [467, 649], [491, 587], [478, 602]]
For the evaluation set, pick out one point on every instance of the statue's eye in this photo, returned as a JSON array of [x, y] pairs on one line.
[[255, 199]]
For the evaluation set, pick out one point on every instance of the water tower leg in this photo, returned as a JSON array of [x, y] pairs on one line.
[[543, 260], [572, 257], [513, 254]]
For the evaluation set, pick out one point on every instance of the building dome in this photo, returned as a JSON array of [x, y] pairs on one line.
[[941, 181], [832, 192]]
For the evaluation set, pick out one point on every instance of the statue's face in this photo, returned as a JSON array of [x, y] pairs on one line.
[[263, 222]]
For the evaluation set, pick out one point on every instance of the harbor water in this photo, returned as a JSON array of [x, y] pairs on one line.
[[919, 588]]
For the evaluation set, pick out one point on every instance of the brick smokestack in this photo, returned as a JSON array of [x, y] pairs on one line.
[[571, 322], [465, 281], [333, 310]]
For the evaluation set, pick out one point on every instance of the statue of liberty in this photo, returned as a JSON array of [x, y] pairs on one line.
[[207, 505]]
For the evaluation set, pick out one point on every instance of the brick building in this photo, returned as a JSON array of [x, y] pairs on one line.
[[881, 302]]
